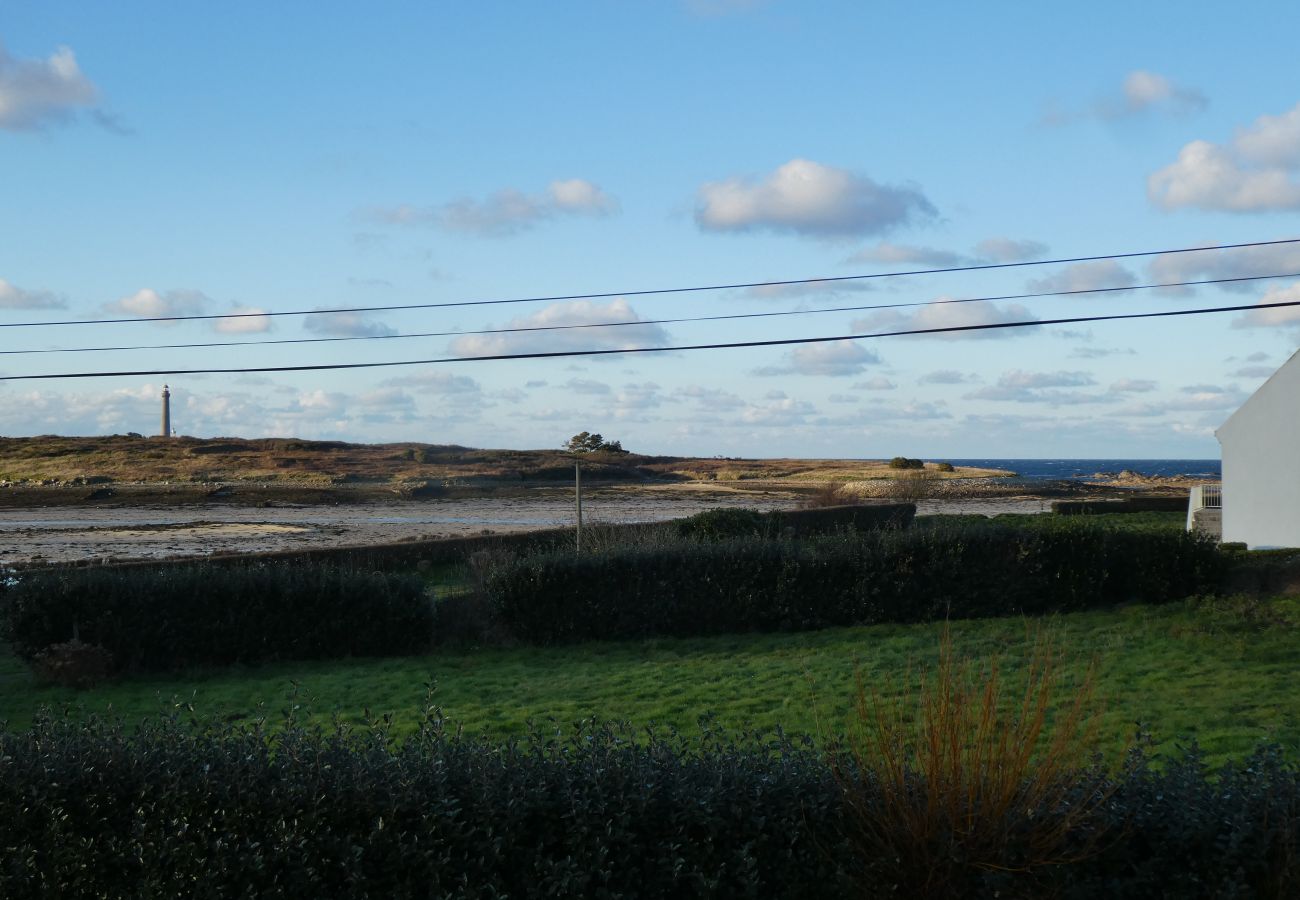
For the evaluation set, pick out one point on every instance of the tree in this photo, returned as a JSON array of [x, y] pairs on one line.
[[586, 442]]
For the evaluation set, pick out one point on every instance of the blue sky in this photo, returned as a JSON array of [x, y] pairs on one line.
[[160, 158]]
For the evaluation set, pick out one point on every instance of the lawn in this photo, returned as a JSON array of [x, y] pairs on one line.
[[1219, 671]]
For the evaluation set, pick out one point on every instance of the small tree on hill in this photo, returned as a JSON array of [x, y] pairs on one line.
[[586, 442]]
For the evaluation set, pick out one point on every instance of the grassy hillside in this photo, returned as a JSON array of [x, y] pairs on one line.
[[131, 458]]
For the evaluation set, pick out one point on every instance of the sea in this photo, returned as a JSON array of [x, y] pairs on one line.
[[1055, 469]]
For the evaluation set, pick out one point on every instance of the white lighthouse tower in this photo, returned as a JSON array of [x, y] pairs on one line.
[[166, 412]]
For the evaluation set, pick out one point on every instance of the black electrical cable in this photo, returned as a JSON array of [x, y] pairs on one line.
[[674, 321], [656, 291], [557, 354]]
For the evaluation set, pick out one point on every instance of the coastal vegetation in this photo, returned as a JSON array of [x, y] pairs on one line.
[[127, 459], [832, 702]]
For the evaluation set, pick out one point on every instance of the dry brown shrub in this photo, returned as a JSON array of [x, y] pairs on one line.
[[912, 486], [964, 776], [830, 493], [73, 664]]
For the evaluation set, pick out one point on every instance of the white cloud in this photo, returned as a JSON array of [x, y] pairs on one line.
[[1252, 173], [1085, 276], [443, 384], [1132, 386], [1239, 262], [570, 318], [1099, 352], [1272, 318], [636, 398], [149, 304], [14, 297], [879, 383], [1006, 250], [252, 322], [947, 376], [1254, 372], [975, 316], [713, 399], [806, 289], [577, 195], [1145, 91], [344, 324], [835, 358], [586, 386], [1207, 397], [1019, 386], [1272, 140], [778, 413], [907, 254], [906, 412], [1142, 93], [808, 198], [38, 92], [506, 212]]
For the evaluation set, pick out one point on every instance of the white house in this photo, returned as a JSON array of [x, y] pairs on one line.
[[1261, 464]]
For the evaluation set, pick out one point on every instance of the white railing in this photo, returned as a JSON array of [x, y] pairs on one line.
[[1203, 496]]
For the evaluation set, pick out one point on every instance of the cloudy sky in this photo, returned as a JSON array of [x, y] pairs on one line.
[[164, 159]]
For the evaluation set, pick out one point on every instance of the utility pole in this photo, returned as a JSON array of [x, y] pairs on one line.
[[577, 496]]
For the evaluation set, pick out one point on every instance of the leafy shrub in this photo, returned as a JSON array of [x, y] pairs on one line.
[[166, 810], [944, 467], [172, 617], [743, 585], [903, 462], [91, 810], [73, 663]]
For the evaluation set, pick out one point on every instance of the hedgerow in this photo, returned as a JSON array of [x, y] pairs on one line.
[[174, 809], [743, 585], [173, 617]]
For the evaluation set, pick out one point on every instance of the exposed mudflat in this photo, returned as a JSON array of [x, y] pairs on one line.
[[66, 533]]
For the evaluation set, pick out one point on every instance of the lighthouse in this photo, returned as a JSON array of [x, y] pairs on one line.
[[166, 412]]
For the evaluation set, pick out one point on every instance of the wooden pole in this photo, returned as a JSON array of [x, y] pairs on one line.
[[577, 494]]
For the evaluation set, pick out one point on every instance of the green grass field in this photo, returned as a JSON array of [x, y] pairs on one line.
[[1219, 671]]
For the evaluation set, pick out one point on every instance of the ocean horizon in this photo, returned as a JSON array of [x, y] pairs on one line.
[[1047, 469]]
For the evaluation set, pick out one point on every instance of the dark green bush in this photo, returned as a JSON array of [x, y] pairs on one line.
[[904, 462], [172, 617], [166, 810], [881, 576]]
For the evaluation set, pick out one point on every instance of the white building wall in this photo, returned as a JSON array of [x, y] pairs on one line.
[[1261, 464]]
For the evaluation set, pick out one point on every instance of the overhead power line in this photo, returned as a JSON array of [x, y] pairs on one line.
[[643, 322], [558, 354], [655, 291]]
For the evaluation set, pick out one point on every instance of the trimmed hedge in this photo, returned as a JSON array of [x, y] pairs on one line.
[[719, 524], [92, 811], [172, 617], [1123, 505], [883, 576]]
